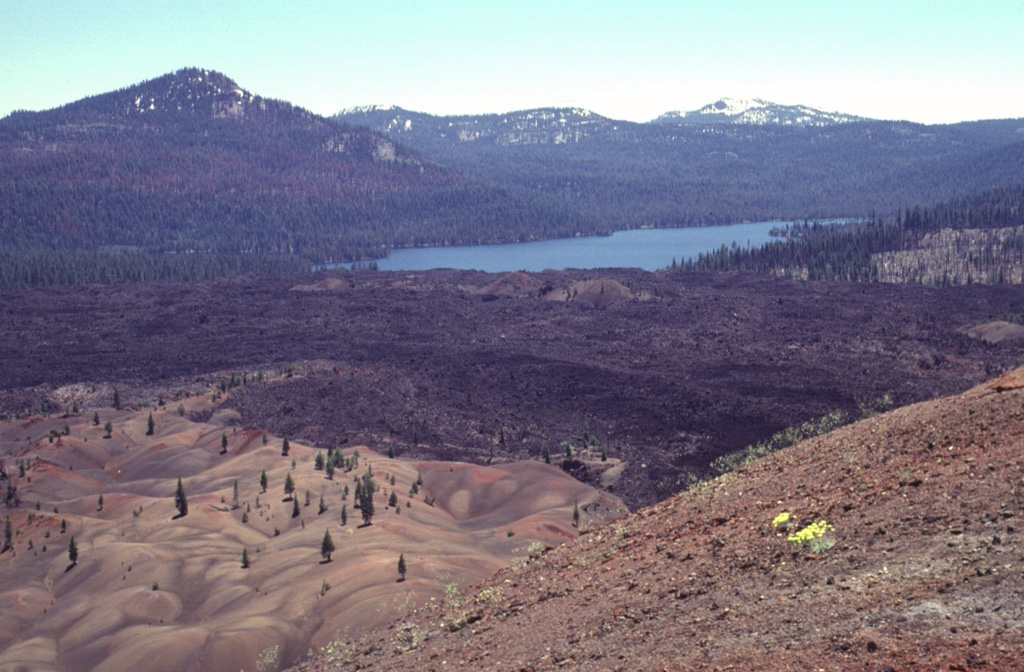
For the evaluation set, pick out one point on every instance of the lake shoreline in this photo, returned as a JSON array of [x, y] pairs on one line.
[[648, 249]]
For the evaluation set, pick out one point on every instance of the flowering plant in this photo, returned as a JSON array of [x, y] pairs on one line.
[[814, 537], [781, 521]]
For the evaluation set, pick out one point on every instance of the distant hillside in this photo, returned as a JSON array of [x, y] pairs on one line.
[[731, 161], [978, 239], [756, 111], [189, 176], [920, 568], [192, 165]]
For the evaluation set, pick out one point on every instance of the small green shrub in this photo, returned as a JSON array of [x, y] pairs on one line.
[[779, 440]]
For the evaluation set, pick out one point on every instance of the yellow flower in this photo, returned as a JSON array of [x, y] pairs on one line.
[[812, 537]]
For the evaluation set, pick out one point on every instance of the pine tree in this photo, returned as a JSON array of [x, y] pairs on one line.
[[289, 486], [323, 507], [234, 495], [8, 534], [344, 514], [108, 427], [96, 419], [401, 566], [393, 500], [327, 546], [150, 425], [73, 551], [285, 447], [180, 500], [329, 468], [117, 399], [575, 514], [11, 498], [318, 462], [263, 481], [223, 444], [99, 503], [366, 499], [545, 453], [295, 507], [307, 499], [245, 558]]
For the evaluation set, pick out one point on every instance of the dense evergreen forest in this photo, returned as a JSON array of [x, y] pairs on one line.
[[664, 174], [977, 239], [171, 178], [175, 177], [19, 270]]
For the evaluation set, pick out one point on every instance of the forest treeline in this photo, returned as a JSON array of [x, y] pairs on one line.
[[628, 175], [23, 270], [976, 239], [169, 178]]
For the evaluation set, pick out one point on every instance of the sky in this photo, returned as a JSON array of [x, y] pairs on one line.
[[940, 61]]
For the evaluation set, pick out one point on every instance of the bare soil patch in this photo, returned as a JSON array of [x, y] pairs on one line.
[[151, 586], [926, 571]]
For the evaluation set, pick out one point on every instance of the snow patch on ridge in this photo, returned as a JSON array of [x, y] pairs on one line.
[[759, 112]]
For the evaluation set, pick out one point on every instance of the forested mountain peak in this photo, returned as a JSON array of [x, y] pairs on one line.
[[366, 109], [185, 96], [756, 111], [188, 89], [537, 126], [189, 167]]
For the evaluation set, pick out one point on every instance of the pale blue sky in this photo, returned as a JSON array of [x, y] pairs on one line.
[[934, 62]]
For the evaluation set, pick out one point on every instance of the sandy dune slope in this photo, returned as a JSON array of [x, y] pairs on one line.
[[155, 591]]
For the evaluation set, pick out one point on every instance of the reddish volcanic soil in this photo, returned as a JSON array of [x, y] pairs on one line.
[[926, 573]]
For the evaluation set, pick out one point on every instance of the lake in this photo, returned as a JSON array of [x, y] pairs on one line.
[[649, 249]]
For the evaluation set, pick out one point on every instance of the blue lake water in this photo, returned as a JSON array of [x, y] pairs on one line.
[[649, 249]]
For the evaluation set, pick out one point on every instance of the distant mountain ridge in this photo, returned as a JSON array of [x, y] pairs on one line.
[[189, 96], [186, 93], [745, 111], [732, 160], [755, 111], [546, 125], [190, 162]]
